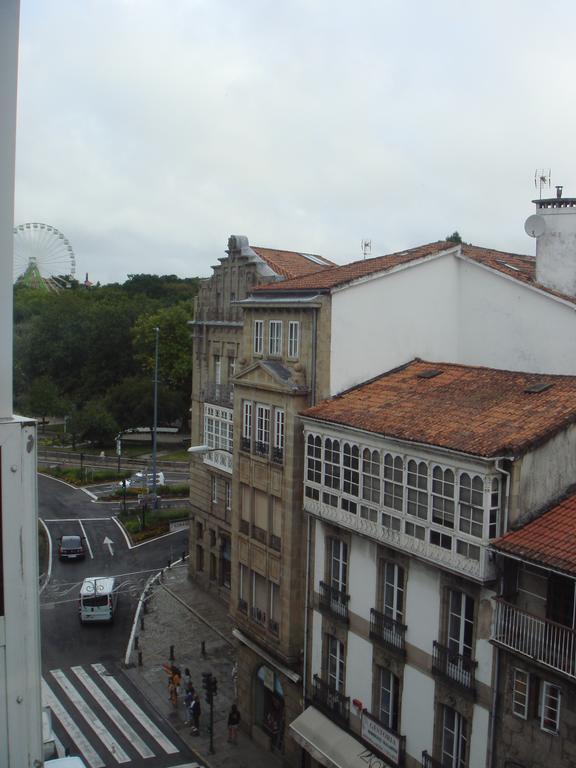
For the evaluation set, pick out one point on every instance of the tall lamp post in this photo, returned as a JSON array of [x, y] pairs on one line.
[[155, 423]]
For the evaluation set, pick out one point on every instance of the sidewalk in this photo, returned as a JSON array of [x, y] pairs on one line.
[[181, 614]]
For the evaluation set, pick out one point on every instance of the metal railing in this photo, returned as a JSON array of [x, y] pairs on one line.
[[259, 534], [274, 627], [275, 542], [219, 393], [331, 701], [262, 449], [258, 615], [455, 667], [278, 455], [245, 526], [245, 443], [544, 641], [387, 631], [242, 605], [334, 600], [430, 762]]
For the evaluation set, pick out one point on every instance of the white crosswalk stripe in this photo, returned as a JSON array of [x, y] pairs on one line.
[[135, 710], [107, 705], [89, 753], [90, 717]]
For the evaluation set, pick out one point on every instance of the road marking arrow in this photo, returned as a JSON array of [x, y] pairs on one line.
[[109, 542]]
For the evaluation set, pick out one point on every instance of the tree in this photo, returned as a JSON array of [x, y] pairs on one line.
[[44, 399], [131, 403], [175, 344], [96, 424], [454, 237]]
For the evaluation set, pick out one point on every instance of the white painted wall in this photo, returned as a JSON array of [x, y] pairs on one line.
[[478, 744], [556, 249], [384, 322], [359, 670], [505, 324], [422, 605], [417, 716], [362, 576]]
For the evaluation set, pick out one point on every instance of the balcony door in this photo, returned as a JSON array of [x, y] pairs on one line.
[[460, 635], [560, 602]]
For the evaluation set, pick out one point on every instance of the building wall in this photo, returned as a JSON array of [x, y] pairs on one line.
[[384, 322]]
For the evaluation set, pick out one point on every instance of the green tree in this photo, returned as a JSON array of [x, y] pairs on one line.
[[44, 399], [131, 403], [454, 237], [96, 424], [175, 345]]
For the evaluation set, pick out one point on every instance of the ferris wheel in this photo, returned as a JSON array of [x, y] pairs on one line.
[[43, 256]]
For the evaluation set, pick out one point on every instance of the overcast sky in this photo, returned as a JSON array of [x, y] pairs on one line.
[[151, 130]]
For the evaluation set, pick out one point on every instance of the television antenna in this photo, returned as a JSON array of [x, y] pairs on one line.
[[366, 246], [541, 179]]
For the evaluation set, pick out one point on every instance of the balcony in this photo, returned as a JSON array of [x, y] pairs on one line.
[[454, 667], [545, 642], [219, 459], [274, 627], [259, 534], [331, 702], [387, 632], [335, 601], [222, 394], [262, 449], [245, 527], [429, 762], [258, 615], [245, 444], [277, 455], [242, 606]]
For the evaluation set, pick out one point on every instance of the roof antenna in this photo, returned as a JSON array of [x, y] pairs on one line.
[[541, 179], [366, 246]]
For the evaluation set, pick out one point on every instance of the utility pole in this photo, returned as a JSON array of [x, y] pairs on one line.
[[210, 685], [155, 424]]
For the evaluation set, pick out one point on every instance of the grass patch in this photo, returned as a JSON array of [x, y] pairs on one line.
[[82, 476], [181, 455], [176, 490], [157, 522]]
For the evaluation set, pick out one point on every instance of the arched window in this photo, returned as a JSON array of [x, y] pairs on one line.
[[314, 459], [332, 463], [371, 475], [351, 474], [393, 482], [471, 505], [417, 482], [443, 497]]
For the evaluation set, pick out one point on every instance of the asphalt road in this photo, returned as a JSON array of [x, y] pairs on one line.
[[94, 717]]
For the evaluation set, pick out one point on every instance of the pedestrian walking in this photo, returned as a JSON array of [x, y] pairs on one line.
[[195, 711], [188, 699], [233, 722], [187, 680]]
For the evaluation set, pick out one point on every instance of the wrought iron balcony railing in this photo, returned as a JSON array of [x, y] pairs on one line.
[[275, 542], [219, 393], [274, 627], [258, 615], [331, 701], [278, 455], [430, 762], [455, 667], [245, 443], [259, 534], [242, 605], [545, 642], [262, 449], [244, 526], [387, 631], [334, 600]]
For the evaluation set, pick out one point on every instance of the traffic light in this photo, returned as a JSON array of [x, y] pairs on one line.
[[213, 686], [207, 685]]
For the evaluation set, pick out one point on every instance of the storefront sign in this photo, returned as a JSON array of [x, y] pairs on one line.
[[386, 742], [268, 678]]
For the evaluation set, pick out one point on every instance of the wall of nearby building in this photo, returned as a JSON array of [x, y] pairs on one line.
[[542, 476], [386, 321], [506, 324]]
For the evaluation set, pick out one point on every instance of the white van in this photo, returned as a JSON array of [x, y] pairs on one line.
[[98, 599]]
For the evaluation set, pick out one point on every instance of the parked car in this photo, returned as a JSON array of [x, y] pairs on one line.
[[71, 548]]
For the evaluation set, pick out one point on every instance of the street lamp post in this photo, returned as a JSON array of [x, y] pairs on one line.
[[155, 424]]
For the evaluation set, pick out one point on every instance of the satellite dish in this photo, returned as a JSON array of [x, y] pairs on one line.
[[535, 225]]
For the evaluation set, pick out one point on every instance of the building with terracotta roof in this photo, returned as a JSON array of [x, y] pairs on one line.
[[534, 632], [408, 480]]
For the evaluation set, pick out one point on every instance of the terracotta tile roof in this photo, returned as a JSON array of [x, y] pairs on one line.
[[479, 411], [335, 276], [290, 264], [549, 540], [517, 266]]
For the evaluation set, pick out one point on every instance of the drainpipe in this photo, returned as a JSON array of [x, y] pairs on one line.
[[508, 475], [314, 356]]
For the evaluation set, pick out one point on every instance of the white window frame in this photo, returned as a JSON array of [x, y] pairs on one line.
[[228, 497], [335, 669], [417, 491], [456, 727], [467, 493], [217, 370], [275, 338], [520, 693], [338, 564], [218, 428], [258, 337], [263, 425], [293, 339], [214, 489], [314, 459], [279, 429], [393, 487], [550, 704], [247, 419], [388, 688], [393, 579]]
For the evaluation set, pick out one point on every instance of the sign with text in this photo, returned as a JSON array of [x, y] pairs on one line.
[[384, 740]]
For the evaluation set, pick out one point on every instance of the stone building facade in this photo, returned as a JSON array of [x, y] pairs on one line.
[[216, 337]]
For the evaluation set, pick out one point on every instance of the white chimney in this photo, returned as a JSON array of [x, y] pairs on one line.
[[554, 227]]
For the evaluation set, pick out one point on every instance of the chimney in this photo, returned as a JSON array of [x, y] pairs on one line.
[[554, 227]]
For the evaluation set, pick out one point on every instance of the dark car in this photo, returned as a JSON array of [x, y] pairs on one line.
[[71, 548]]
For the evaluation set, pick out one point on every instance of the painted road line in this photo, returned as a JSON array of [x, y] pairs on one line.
[[112, 712], [86, 539], [135, 710], [88, 752], [90, 716]]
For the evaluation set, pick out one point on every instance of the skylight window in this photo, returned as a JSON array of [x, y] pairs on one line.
[[429, 373], [539, 386]]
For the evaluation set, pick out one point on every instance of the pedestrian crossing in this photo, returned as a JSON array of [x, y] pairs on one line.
[[95, 717]]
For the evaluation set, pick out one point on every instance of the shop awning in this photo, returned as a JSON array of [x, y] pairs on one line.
[[329, 744]]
